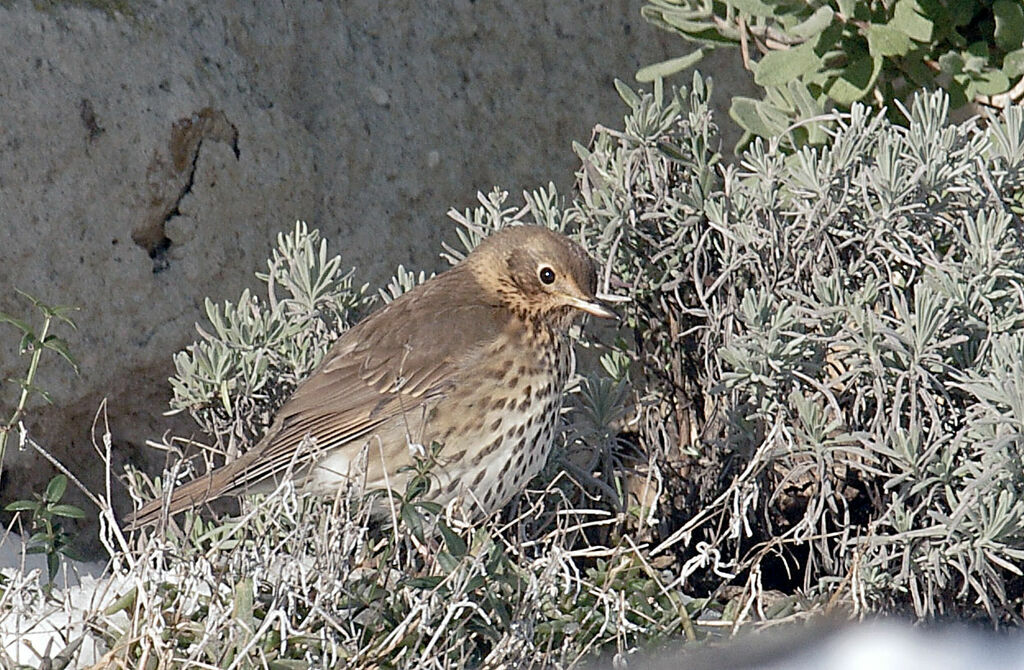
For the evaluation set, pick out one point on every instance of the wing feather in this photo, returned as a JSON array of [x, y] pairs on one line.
[[390, 367]]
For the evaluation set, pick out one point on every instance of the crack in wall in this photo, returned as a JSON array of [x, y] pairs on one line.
[[171, 177]]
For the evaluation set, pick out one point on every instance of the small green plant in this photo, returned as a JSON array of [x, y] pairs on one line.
[[48, 536], [35, 341], [812, 56]]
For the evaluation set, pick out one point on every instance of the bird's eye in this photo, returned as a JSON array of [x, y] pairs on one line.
[[546, 274]]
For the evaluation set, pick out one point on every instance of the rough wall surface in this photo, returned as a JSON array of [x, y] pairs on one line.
[[150, 155]]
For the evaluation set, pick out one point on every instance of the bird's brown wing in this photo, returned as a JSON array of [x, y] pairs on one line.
[[393, 364], [381, 375]]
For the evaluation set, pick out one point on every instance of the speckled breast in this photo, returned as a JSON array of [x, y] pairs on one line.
[[511, 422]]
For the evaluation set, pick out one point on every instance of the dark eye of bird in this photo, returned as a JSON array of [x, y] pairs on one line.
[[547, 275]]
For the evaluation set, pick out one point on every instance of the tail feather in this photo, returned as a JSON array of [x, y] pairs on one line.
[[183, 498]]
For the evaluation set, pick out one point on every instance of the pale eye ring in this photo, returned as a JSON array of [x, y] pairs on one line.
[[546, 274]]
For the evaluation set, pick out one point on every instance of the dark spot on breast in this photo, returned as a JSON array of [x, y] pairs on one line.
[[479, 477], [514, 381], [452, 485], [496, 425], [499, 403], [528, 391], [519, 433], [457, 456], [493, 446]]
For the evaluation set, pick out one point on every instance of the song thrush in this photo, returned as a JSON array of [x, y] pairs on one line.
[[475, 359]]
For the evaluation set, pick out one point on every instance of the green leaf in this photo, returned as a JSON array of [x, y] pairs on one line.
[[68, 511], [856, 79], [992, 82], [975, 65], [957, 94], [425, 583], [669, 67], [687, 25], [17, 323], [919, 74], [627, 94], [60, 312], [59, 345], [39, 541], [456, 545], [412, 520], [887, 41], [671, 151], [242, 602], [1009, 33], [447, 562], [815, 24], [418, 486], [753, 7], [429, 507], [847, 7], [744, 111], [807, 108], [778, 68], [951, 63], [125, 602], [56, 488], [980, 51], [21, 506], [907, 19], [1013, 64]]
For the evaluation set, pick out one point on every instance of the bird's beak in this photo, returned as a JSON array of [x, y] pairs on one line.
[[591, 307]]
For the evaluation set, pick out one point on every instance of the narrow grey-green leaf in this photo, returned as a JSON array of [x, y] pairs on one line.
[[744, 111], [668, 67], [753, 7], [816, 23], [627, 94]]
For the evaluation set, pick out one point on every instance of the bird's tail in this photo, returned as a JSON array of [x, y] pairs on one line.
[[210, 486]]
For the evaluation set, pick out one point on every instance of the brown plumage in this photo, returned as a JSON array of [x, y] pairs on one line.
[[475, 359]]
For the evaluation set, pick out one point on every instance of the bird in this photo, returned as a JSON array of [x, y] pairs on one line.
[[473, 362]]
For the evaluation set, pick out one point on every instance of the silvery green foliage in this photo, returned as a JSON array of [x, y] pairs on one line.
[[640, 205], [541, 207], [254, 351], [836, 336], [402, 282]]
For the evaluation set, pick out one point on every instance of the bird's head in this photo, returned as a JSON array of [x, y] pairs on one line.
[[539, 273]]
